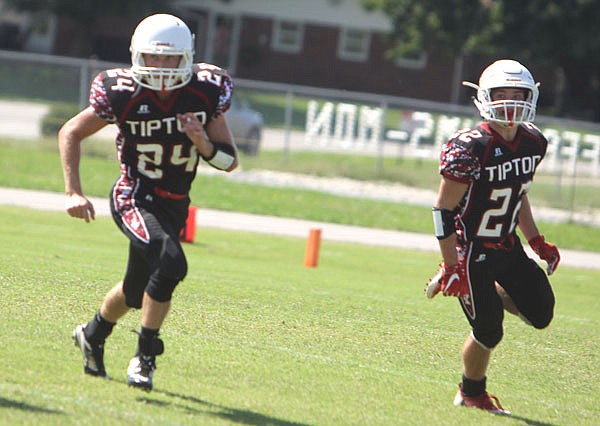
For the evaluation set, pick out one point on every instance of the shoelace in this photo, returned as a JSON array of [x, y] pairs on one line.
[[147, 364], [488, 401], [495, 398]]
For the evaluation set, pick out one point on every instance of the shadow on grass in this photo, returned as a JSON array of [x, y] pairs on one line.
[[19, 405], [244, 417], [251, 418], [527, 421], [247, 417], [203, 407]]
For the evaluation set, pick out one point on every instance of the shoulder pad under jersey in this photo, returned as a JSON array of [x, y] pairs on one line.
[[459, 160], [218, 76]]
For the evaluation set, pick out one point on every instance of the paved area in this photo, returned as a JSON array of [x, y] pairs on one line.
[[21, 119], [384, 191], [280, 226]]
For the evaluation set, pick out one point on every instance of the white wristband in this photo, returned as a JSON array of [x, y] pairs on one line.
[[221, 160]]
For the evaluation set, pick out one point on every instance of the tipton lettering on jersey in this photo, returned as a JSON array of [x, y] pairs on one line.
[[145, 128], [518, 166]]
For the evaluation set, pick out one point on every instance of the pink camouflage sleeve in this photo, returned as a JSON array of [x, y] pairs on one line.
[[459, 163], [100, 102]]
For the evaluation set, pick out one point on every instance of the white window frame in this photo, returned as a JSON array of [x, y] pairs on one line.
[[280, 35], [418, 62], [352, 55]]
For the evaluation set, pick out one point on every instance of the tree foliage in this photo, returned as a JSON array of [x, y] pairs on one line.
[[451, 26], [561, 35]]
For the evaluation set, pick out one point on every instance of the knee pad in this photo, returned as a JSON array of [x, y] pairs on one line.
[[172, 264], [163, 282], [160, 288], [170, 269], [489, 339], [541, 313], [542, 319]]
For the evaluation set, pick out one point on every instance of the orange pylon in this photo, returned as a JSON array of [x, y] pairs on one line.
[[188, 232], [311, 256]]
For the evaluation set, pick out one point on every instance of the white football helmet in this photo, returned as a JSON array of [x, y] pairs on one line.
[[162, 34], [511, 74]]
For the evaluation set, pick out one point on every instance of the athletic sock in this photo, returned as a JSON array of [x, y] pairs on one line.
[[473, 388], [146, 341], [98, 329]]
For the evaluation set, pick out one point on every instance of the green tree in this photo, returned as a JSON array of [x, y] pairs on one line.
[[563, 35], [451, 26], [560, 35]]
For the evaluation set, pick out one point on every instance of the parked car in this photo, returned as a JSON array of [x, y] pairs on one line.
[[246, 125]]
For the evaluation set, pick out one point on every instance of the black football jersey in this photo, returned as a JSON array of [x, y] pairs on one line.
[[151, 147], [498, 172]]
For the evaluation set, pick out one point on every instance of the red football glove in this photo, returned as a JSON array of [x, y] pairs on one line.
[[450, 280], [546, 251]]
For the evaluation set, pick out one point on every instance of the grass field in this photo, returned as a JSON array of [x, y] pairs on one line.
[[254, 338], [36, 165]]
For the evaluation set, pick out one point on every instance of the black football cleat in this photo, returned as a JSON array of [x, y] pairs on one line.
[[93, 354], [140, 371]]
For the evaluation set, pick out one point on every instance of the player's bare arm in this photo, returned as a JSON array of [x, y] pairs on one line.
[[71, 134], [449, 195], [526, 222], [451, 277], [545, 250], [206, 141]]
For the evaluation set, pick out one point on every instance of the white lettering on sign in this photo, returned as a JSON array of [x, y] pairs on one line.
[[319, 123], [343, 129], [369, 125], [351, 126]]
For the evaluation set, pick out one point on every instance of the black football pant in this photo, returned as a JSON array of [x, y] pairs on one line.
[[520, 276], [156, 261]]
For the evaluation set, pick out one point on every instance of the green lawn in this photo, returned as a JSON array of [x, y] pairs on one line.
[[255, 338], [36, 165]]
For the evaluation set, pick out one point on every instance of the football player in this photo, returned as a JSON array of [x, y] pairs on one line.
[[169, 112], [486, 173]]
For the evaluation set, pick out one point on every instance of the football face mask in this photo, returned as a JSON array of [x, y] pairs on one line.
[[162, 35], [507, 74]]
